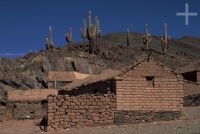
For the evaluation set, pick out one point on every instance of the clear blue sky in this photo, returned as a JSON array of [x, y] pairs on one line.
[[24, 23]]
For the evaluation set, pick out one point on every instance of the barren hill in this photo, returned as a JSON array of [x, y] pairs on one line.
[[31, 70]]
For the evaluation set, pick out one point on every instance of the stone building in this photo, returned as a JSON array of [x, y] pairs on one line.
[[58, 79], [142, 92], [22, 104]]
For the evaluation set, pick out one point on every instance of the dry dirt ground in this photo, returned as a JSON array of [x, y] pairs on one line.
[[188, 124]]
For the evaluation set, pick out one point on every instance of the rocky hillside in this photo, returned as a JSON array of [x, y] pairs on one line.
[[31, 70]]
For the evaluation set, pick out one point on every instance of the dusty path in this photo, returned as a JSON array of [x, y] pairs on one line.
[[189, 124]]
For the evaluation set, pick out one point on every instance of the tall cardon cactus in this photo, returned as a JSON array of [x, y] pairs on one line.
[[68, 37], [146, 38], [51, 43], [91, 32], [128, 38], [49, 40], [165, 39], [84, 32]]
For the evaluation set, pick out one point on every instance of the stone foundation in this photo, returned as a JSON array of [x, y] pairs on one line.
[[82, 110], [192, 100], [134, 117]]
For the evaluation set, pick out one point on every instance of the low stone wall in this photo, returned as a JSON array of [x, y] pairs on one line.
[[134, 117], [82, 110]]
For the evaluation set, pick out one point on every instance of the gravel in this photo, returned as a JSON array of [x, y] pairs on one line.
[[188, 124]]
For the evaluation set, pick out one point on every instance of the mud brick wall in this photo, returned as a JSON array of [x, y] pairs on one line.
[[24, 109], [164, 93], [135, 117], [82, 110]]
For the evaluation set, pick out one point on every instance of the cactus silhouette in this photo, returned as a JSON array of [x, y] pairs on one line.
[[51, 43], [165, 39], [47, 44], [91, 32], [84, 32], [98, 31], [68, 37], [128, 37], [146, 38]]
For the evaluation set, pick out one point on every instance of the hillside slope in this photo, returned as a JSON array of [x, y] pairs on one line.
[[31, 70]]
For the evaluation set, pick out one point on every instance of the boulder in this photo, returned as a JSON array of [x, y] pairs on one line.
[[59, 64]]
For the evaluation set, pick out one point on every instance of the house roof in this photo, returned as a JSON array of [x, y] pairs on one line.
[[66, 76], [32, 95], [105, 75]]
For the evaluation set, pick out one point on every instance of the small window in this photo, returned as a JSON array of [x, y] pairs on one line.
[[150, 81]]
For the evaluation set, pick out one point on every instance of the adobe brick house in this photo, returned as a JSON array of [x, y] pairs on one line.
[[59, 79], [148, 86], [145, 91]]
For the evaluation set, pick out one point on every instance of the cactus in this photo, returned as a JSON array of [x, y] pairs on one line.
[[128, 38], [47, 44], [147, 38], [84, 32], [51, 43], [91, 33], [98, 31], [68, 37], [165, 39]]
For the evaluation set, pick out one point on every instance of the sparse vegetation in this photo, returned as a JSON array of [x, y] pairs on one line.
[[92, 32], [84, 33], [128, 38], [146, 38], [49, 40], [68, 37], [165, 40]]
